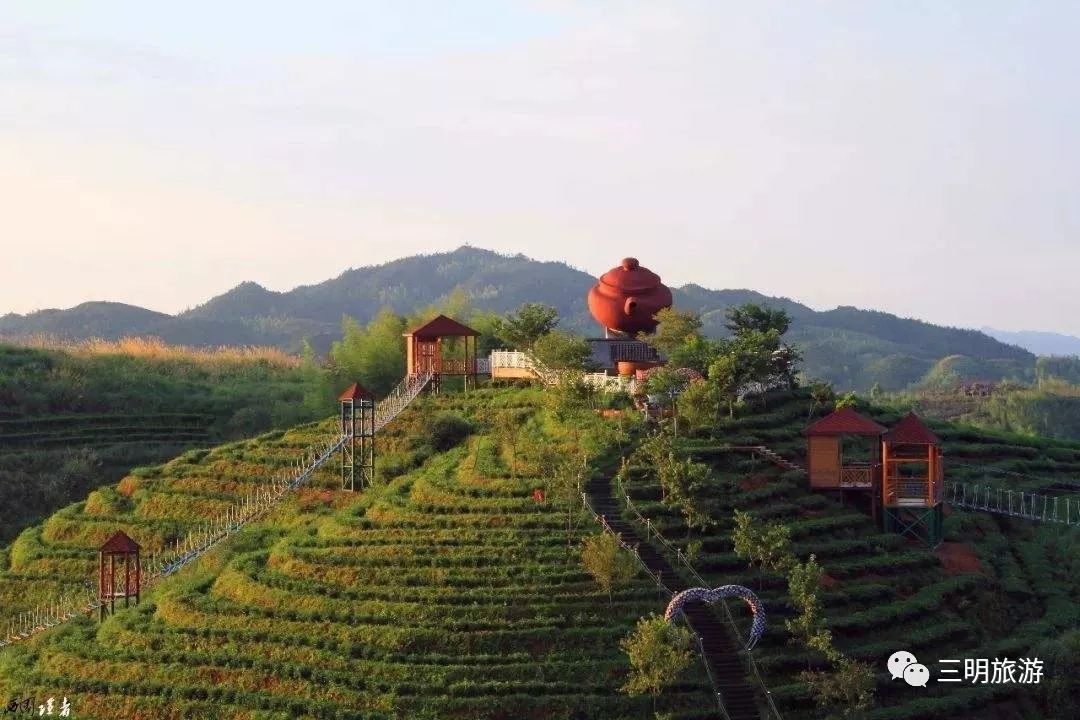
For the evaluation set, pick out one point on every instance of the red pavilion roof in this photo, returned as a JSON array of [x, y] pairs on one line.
[[846, 421], [356, 391], [911, 431], [441, 326], [120, 543]]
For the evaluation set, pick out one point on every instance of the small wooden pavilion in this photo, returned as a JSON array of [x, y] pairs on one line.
[[111, 586], [912, 480], [843, 454], [424, 351], [358, 433], [826, 463]]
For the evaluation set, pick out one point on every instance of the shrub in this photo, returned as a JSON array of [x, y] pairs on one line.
[[449, 430], [658, 652]]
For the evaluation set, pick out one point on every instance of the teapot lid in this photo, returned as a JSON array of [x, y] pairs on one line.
[[630, 278]]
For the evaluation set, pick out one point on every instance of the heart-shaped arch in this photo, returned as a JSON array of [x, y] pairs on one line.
[[711, 595]]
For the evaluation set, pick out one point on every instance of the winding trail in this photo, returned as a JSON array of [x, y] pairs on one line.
[[720, 650]]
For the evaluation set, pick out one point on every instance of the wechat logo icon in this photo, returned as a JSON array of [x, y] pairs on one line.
[[904, 666]]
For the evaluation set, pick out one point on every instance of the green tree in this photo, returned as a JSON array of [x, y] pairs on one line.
[[821, 395], [684, 482], [319, 395], [572, 396], [657, 452], [698, 406], [848, 400], [375, 354], [523, 327], [751, 318], [565, 475], [808, 625], [609, 564], [675, 328], [845, 693], [659, 652], [766, 545], [560, 351]]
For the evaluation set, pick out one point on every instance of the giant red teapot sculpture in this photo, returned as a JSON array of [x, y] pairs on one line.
[[626, 299]]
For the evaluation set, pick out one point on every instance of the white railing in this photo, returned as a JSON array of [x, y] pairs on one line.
[[523, 361], [1015, 503], [182, 551], [399, 398], [609, 383], [199, 540]]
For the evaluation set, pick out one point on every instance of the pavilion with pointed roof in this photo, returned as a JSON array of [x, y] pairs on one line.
[[424, 351], [357, 437], [842, 451], [119, 572], [913, 476]]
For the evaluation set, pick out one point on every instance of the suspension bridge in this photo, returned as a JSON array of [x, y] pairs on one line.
[[1064, 510], [976, 497], [86, 599]]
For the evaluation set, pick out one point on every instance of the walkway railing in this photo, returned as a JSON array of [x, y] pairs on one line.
[[184, 550], [1014, 503], [523, 361], [399, 398], [664, 589], [199, 540], [652, 532]]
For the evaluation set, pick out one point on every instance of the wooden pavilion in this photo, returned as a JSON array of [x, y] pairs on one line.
[[358, 432], [110, 584], [424, 351], [843, 454], [912, 480]]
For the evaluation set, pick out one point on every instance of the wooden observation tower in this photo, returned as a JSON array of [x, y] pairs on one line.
[[358, 431], [913, 475], [842, 454], [111, 586], [424, 351]]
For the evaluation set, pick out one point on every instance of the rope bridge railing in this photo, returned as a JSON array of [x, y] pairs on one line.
[[1061, 509], [399, 398], [652, 532], [184, 550], [1014, 503], [199, 540]]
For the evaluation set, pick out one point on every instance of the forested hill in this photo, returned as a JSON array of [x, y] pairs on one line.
[[851, 348]]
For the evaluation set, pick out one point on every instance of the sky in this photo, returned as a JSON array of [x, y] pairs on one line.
[[919, 157]]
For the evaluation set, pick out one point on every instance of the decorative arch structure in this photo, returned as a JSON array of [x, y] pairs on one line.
[[711, 595]]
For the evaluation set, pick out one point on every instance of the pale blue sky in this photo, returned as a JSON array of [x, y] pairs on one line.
[[916, 157]]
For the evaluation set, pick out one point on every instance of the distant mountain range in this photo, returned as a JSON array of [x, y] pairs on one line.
[[849, 347], [1040, 343]]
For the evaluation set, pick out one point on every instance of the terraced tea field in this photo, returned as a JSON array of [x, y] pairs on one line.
[[882, 592], [445, 591]]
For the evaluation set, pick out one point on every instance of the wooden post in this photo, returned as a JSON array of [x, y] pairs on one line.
[[931, 473], [884, 472], [112, 583]]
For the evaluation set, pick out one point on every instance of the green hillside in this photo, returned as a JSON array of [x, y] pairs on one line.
[[447, 591], [883, 593], [73, 420], [848, 347]]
